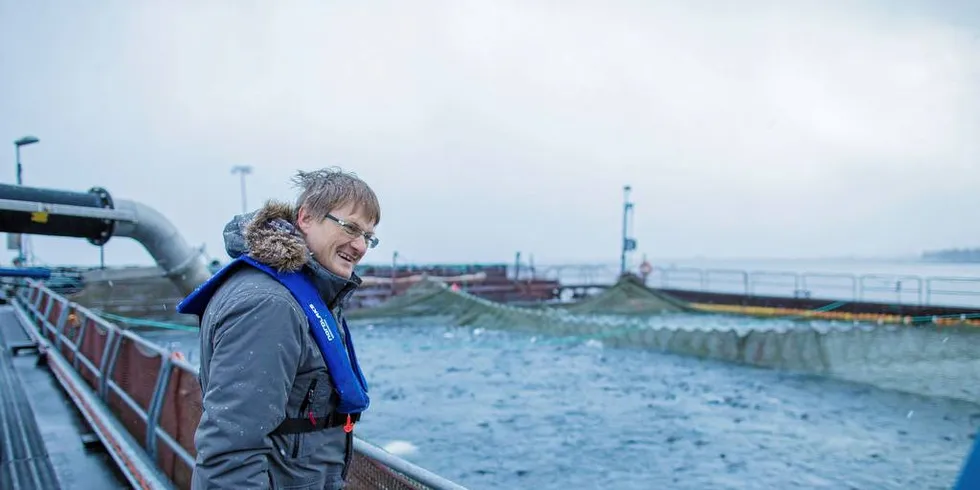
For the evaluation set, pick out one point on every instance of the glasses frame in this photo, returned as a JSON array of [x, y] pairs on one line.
[[355, 231]]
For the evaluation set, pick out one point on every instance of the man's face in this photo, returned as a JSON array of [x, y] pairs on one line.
[[337, 241]]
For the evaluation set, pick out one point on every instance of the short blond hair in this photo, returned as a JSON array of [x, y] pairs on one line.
[[323, 191]]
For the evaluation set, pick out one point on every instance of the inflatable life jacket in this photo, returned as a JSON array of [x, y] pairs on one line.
[[344, 371]]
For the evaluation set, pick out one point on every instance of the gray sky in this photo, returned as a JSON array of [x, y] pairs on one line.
[[770, 129]]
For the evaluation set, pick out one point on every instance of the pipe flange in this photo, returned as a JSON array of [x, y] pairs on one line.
[[109, 226]]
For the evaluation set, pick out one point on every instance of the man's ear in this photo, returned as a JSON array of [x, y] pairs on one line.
[[304, 219]]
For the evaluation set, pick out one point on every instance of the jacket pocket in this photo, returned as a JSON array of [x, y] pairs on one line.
[[314, 403], [305, 411]]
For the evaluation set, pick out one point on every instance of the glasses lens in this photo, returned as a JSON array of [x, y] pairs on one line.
[[355, 231], [352, 230]]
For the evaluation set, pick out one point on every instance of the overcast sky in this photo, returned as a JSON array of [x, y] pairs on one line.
[[774, 128]]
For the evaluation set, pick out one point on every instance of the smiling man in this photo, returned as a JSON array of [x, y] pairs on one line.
[[281, 385]]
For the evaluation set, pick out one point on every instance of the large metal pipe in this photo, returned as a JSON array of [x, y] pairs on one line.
[[95, 216], [181, 263], [28, 215]]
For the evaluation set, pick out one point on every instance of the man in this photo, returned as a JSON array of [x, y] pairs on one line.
[[280, 381]]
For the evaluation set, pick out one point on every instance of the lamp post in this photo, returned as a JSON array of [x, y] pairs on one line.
[[243, 170], [26, 140]]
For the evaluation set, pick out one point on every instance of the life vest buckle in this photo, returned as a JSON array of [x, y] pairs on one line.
[[349, 426]]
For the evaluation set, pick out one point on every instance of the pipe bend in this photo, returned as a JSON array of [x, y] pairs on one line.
[[181, 263]]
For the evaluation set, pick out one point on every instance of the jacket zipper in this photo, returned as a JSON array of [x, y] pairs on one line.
[[302, 407]]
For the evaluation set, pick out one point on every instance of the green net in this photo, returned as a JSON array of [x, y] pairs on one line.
[[628, 297], [927, 360]]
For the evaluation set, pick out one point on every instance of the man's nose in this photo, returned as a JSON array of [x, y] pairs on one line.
[[360, 244]]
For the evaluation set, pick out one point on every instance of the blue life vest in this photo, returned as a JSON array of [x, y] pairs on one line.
[[970, 473], [344, 371]]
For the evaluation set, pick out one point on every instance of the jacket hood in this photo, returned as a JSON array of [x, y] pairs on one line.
[[270, 237]]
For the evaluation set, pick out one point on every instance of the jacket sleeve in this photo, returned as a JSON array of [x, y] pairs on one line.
[[256, 352]]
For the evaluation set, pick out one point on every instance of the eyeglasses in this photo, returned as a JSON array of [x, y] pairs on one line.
[[355, 231]]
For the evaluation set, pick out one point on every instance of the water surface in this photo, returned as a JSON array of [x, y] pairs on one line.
[[508, 410]]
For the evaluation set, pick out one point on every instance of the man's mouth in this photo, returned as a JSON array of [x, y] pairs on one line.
[[346, 256]]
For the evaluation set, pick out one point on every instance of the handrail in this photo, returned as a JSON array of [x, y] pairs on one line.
[[805, 284], [419, 474], [930, 290], [743, 275], [699, 273], [894, 284], [924, 289], [757, 278], [69, 329]]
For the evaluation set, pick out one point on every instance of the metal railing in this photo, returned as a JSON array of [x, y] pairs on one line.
[[891, 288], [153, 394], [885, 288]]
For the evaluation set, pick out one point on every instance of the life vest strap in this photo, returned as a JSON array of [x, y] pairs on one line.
[[302, 425]]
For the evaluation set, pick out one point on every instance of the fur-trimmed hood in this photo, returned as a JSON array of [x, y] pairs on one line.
[[270, 237]]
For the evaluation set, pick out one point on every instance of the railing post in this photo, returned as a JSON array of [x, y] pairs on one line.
[[108, 364], [47, 312], [156, 405], [23, 294], [82, 330], [59, 328], [36, 304]]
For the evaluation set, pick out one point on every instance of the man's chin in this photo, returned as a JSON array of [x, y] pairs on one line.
[[337, 267], [340, 268]]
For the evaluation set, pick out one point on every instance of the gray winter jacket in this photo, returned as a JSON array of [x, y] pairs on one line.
[[260, 365]]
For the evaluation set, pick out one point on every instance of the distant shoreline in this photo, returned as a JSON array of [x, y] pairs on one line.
[[960, 256]]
